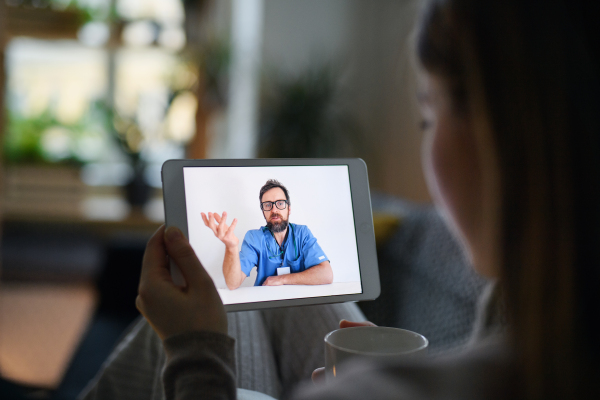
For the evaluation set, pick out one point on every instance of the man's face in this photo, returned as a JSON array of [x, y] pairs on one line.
[[277, 220]]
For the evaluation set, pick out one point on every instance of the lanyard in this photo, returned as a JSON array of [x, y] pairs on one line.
[[273, 254]]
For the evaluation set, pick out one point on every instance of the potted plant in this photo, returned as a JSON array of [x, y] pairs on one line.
[[304, 117]]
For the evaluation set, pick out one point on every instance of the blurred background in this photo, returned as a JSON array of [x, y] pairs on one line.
[[97, 94]]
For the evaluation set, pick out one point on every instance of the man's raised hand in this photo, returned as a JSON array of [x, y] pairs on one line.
[[218, 224]]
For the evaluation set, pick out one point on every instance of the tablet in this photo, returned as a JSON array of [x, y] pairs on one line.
[[320, 233]]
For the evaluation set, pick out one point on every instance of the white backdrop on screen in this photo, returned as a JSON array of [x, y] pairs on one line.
[[320, 199]]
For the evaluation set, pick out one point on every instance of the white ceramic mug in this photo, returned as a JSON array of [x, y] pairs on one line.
[[374, 342]]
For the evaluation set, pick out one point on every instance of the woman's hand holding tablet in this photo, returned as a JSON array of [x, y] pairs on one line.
[[198, 305]]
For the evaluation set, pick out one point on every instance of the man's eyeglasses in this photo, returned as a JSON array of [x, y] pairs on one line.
[[268, 205]]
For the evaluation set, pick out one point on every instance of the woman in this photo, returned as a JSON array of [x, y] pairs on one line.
[[512, 136]]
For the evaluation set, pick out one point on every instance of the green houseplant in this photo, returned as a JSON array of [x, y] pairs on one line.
[[305, 117]]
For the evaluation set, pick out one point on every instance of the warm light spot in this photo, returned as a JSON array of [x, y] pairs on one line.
[[56, 143], [172, 38], [334, 371], [134, 138], [38, 99], [139, 33], [181, 117], [71, 103]]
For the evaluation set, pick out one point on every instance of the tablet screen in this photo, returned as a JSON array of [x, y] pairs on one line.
[[320, 228]]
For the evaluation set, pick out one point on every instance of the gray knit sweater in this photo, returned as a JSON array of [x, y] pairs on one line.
[[201, 365]]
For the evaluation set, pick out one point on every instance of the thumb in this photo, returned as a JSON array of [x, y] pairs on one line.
[[180, 251], [351, 324], [318, 376]]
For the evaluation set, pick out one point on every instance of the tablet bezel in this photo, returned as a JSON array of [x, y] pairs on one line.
[[176, 215]]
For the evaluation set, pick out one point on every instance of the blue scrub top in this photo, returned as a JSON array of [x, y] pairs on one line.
[[300, 251]]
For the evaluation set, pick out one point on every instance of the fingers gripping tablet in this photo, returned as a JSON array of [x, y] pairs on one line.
[[176, 275]]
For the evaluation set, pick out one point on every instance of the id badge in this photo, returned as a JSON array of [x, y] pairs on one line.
[[283, 271]]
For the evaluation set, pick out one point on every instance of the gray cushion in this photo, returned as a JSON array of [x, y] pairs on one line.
[[427, 284]]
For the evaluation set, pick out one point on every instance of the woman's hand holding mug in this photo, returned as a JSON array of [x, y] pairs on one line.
[[367, 341], [318, 375]]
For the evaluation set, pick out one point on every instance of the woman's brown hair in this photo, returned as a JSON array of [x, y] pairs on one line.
[[530, 71]]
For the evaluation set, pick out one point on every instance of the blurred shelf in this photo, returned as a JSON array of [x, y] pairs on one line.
[[101, 213], [56, 195], [42, 23]]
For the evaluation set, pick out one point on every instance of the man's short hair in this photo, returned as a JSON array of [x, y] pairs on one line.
[[271, 184]]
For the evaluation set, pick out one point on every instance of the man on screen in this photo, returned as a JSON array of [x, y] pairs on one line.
[[283, 253]]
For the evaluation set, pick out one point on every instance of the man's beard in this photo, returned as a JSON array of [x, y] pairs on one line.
[[278, 226]]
